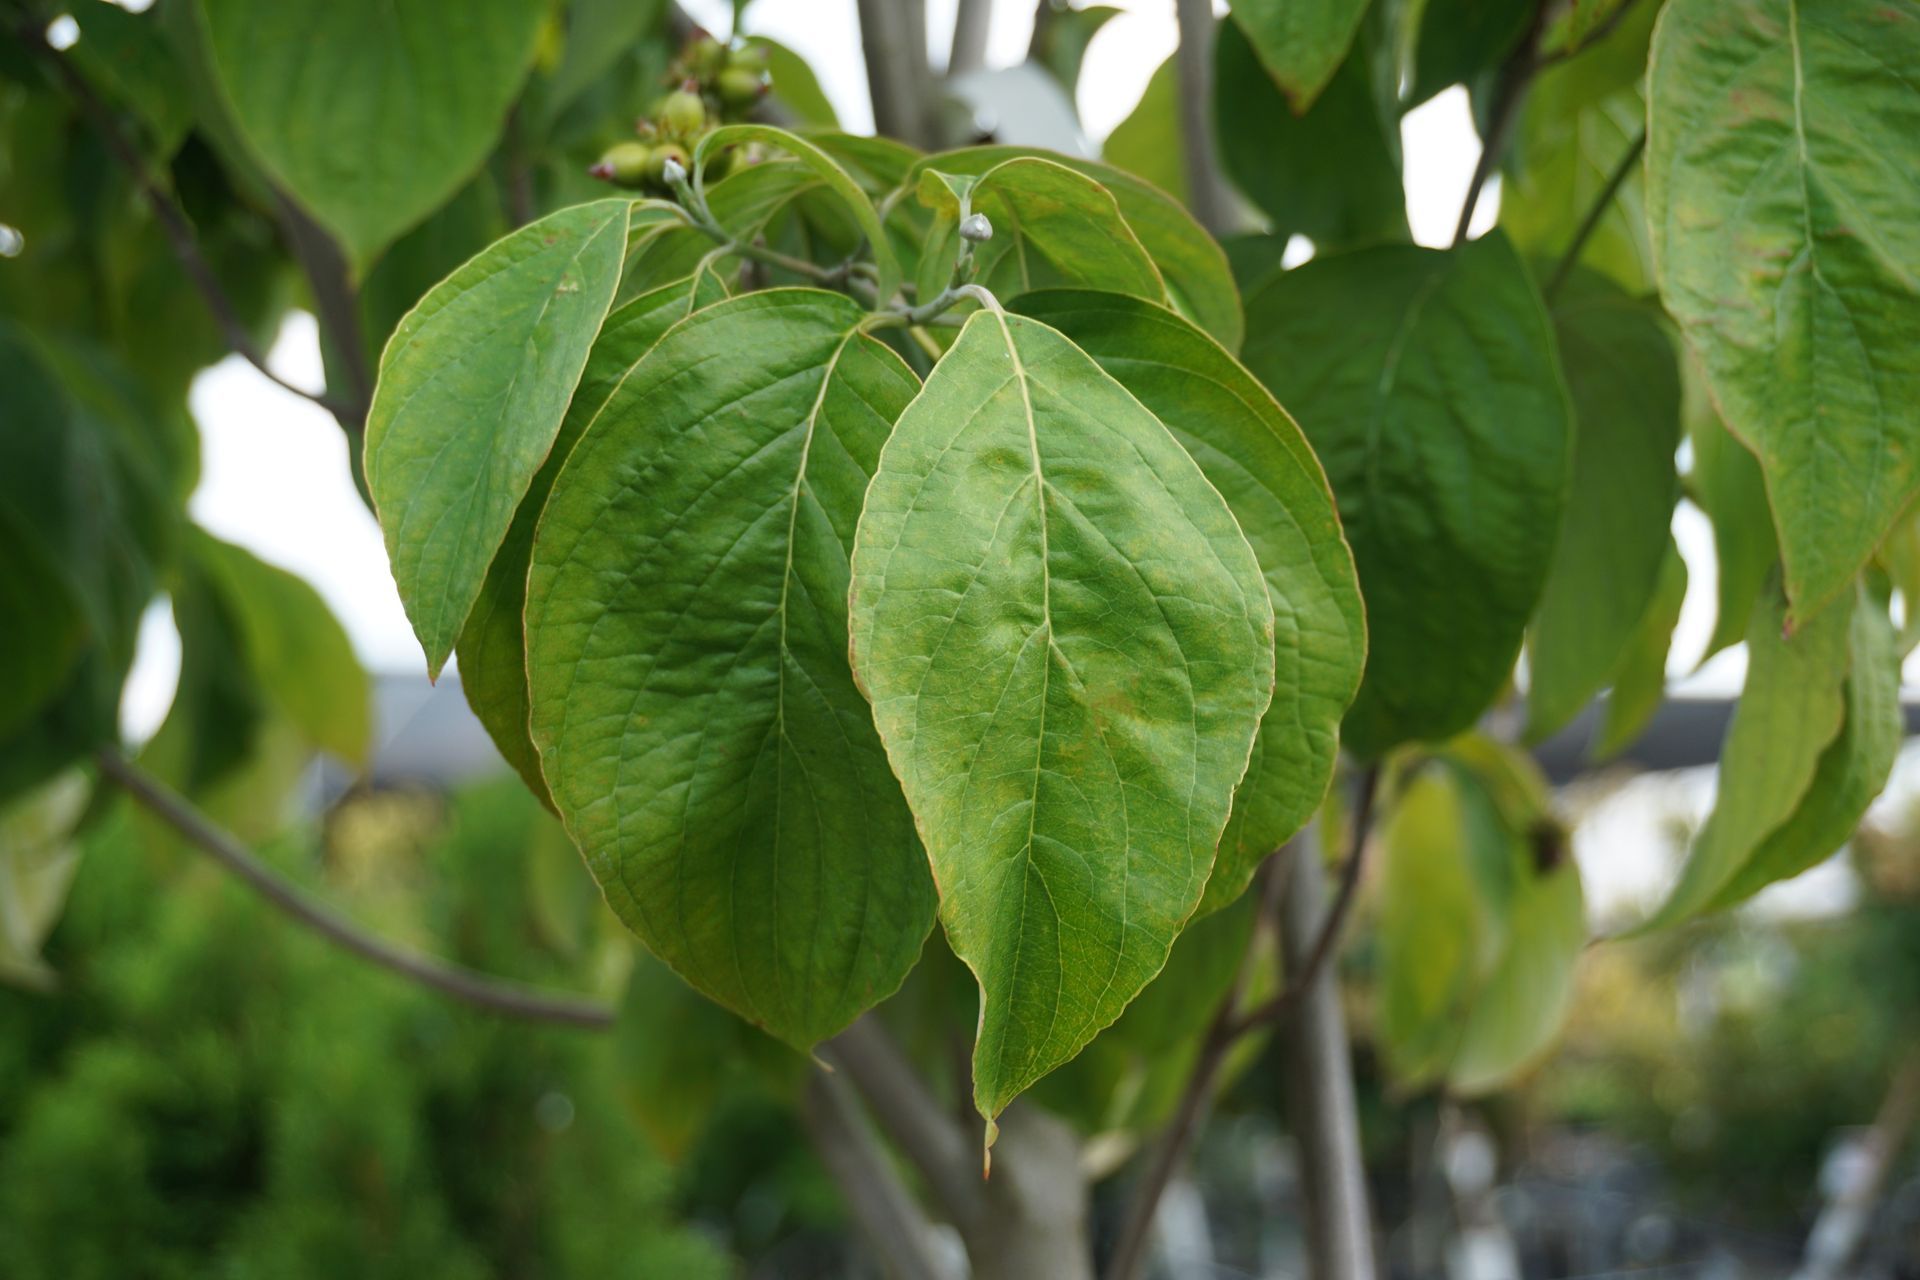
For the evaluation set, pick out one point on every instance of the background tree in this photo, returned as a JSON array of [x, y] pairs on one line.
[[846, 536]]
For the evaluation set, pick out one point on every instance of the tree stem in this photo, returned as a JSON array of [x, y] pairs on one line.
[[972, 20], [1319, 1074], [897, 72], [908, 1112], [482, 992], [1615, 180], [892, 1223], [1207, 192]]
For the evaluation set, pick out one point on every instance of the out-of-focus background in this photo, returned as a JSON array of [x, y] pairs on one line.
[[205, 1091]]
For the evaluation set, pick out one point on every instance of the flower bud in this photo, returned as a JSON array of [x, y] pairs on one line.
[[625, 164], [669, 164], [976, 229]]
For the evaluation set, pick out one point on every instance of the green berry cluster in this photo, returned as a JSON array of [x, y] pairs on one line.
[[718, 84]]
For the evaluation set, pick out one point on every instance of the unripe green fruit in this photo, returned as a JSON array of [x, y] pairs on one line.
[[625, 164], [657, 163], [739, 87], [683, 114], [748, 57], [705, 56]]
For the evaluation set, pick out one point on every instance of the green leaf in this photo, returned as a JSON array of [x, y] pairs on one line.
[[1852, 771], [837, 180], [1460, 41], [1563, 162], [1624, 379], [1783, 169], [1068, 646], [1428, 385], [1724, 481], [371, 113], [1300, 42], [1332, 175], [472, 389], [296, 649], [687, 657], [1482, 920], [795, 86], [1254, 455], [1051, 227], [1061, 36], [680, 1057], [1792, 708], [493, 647], [598, 33], [127, 55], [1640, 680], [1190, 261], [38, 858], [1147, 143], [1522, 1003]]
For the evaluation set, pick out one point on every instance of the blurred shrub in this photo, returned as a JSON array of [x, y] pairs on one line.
[[214, 1092]]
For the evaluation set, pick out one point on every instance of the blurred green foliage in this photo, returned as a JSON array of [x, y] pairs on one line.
[[214, 1092]]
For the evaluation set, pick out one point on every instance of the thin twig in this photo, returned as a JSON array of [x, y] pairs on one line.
[[1588, 224], [477, 989], [172, 219], [1510, 89], [1327, 940]]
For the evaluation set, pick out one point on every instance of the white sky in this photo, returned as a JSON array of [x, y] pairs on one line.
[[275, 476]]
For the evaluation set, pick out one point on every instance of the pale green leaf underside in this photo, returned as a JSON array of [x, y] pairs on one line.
[[493, 646], [1521, 1005], [1254, 454], [1792, 707], [1783, 169], [1300, 42], [1640, 680], [697, 721], [473, 387], [1051, 227], [1727, 485], [1852, 770], [1428, 385], [371, 113], [1068, 646], [1624, 382]]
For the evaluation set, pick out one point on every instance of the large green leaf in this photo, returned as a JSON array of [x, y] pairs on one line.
[[371, 113], [687, 658], [1332, 175], [1640, 680], [795, 86], [296, 649], [1147, 143], [1852, 771], [1792, 708], [493, 648], [1624, 379], [1068, 645], [1191, 261], [1254, 454], [1783, 169], [1300, 42], [1428, 385], [1482, 920], [1051, 227], [1724, 481], [472, 389]]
